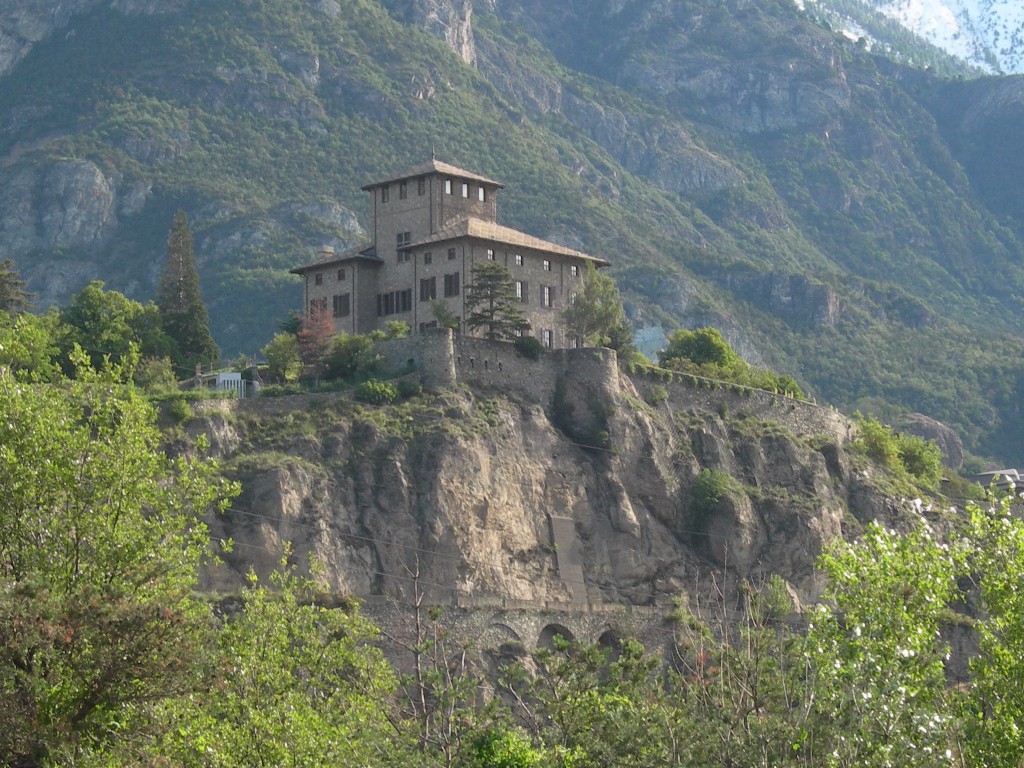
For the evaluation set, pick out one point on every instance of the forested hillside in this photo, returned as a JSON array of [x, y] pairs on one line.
[[838, 216]]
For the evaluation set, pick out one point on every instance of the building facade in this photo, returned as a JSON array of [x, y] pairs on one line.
[[429, 226]]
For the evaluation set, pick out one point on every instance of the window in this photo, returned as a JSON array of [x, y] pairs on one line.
[[465, 189], [403, 239], [546, 265], [451, 254], [428, 258], [546, 296], [447, 186], [428, 289], [490, 254], [574, 270], [393, 302], [384, 193], [548, 338], [341, 274], [518, 259], [481, 193], [451, 284], [521, 291], [342, 305], [421, 185], [518, 332], [403, 256], [403, 192], [319, 278]]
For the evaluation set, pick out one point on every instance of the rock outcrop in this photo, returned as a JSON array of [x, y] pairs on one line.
[[462, 493]]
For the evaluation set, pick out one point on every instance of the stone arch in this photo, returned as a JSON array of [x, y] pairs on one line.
[[610, 642], [547, 636], [504, 641]]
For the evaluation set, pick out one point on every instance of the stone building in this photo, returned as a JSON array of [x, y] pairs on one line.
[[429, 226]]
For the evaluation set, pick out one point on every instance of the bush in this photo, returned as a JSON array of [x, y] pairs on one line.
[[529, 347], [656, 394], [709, 489], [155, 373], [283, 360], [350, 356], [410, 388], [376, 392]]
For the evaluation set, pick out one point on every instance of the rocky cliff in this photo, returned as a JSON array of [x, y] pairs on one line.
[[475, 492]]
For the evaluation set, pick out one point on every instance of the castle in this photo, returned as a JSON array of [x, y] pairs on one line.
[[430, 225]]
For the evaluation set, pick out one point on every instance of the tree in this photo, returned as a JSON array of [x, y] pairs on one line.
[[107, 324], [282, 353], [101, 535], [315, 335], [491, 302], [595, 313], [14, 299], [701, 346], [180, 300], [293, 683]]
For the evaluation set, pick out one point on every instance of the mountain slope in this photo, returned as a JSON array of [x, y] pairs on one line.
[[738, 164]]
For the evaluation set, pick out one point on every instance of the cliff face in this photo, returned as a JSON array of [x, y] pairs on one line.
[[473, 494]]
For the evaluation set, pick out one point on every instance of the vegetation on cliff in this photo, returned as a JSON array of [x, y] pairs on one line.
[[742, 167]]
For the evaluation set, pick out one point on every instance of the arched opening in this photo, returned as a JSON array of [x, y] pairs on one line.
[[550, 632], [610, 642]]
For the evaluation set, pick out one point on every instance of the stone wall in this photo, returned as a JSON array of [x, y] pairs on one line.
[[444, 359]]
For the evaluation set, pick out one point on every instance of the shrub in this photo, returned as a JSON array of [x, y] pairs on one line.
[[529, 347], [376, 392], [350, 356], [656, 394], [155, 373], [283, 358], [410, 388], [709, 489]]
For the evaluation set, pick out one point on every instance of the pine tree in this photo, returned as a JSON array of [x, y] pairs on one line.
[[180, 301], [491, 302], [13, 296]]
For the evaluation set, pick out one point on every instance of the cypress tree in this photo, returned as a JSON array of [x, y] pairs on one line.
[[180, 300]]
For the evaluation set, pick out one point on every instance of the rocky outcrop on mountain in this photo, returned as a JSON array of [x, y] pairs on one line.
[[67, 204], [25, 23], [448, 20], [795, 297], [949, 442], [469, 491]]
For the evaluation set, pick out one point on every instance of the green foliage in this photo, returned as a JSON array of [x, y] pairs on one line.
[[409, 388], [444, 316], [290, 682], [282, 354], [155, 373], [877, 648], [595, 313], [107, 325], [29, 345], [491, 303], [376, 392], [351, 356], [14, 299], [705, 353], [710, 487], [903, 453], [502, 749], [182, 311], [103, 536], [700, 346], [529, 347]]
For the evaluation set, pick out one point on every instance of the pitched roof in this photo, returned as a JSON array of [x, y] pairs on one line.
[[488, 230], [365, 251], [434, 166]]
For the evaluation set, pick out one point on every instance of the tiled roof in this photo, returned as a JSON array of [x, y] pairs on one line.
[[435, 166], [365, 251], [488, 230]]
